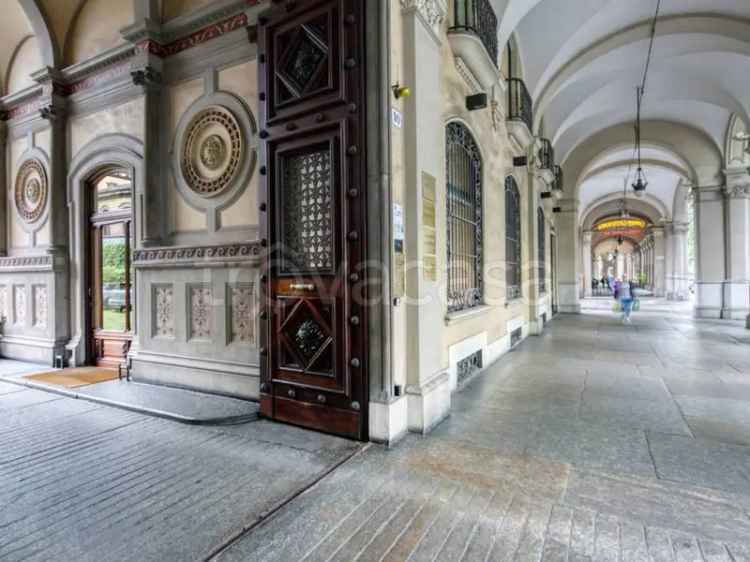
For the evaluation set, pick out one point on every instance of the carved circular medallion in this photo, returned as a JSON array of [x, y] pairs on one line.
[[31, 190], [212, 151]]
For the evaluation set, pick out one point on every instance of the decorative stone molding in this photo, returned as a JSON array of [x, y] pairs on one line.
[[19, 305], [31, 190], [212, 151], [163, 313], [186, 256], [199, 307], [431, 11], [737, 183], [242, 302], [41, 308], [27, 263], [465, 72]]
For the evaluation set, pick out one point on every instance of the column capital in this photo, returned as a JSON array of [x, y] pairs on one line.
[[432, 12], [3, 133], [587, 235], [737, 183], [680, 227]]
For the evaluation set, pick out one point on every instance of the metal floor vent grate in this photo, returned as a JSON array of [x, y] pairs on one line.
[[468, 366]]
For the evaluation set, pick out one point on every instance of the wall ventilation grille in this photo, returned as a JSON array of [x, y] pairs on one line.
[[469, 365], [515, 337]]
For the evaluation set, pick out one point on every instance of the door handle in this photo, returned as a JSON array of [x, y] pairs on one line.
[[302, 287]]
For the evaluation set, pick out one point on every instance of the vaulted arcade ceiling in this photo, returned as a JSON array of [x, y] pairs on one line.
[[582, 60]]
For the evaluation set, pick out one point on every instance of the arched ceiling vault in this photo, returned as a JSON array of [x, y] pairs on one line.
[[582, 62]]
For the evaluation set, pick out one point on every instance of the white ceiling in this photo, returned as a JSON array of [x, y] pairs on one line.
[[582, 60]]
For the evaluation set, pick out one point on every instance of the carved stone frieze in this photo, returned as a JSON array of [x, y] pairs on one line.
[[432, 11], [201, 302], [163, 311], [19, 305], [212, 151], [187, 255], [31, 190], [243, 313], [3, 303], [41, 306]]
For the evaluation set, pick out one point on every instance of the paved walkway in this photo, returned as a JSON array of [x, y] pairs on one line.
[[157, 400], [83, 482], [596, 441]]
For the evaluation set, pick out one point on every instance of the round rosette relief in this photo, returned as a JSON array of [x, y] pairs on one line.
[[31, 190], [212, 151]]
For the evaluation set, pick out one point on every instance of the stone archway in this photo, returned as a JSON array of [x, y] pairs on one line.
[[119, 150]]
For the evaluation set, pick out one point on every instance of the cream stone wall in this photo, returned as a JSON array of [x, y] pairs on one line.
[[97, 28], [26, 60], [183, 218], [19, 240], [240, 80], [126, 118], [174, 8], [398, 180], [495, 147]]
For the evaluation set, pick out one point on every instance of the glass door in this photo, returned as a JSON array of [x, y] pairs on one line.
[[111, 288]]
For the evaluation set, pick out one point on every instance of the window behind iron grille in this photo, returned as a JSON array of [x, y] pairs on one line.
[[512, 238], [464, 212]]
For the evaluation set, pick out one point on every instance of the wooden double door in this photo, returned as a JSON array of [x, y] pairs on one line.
[[312, 202]]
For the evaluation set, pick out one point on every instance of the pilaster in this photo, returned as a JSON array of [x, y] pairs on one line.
[[679, 259], [146, 71], [711, 247], [737, 235], [659, 261], [428, 385], [3, 190], [587, 262], [569, 289]]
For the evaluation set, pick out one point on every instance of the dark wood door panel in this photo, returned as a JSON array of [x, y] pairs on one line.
[[312, 197], [305, 60]]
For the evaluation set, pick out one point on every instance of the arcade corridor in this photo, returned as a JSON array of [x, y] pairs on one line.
[[595, 441]]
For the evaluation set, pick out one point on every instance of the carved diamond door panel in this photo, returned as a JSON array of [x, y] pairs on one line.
[[312, 201]]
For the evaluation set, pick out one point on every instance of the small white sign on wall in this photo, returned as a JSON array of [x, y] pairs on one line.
[[397, 118], [398, 227]]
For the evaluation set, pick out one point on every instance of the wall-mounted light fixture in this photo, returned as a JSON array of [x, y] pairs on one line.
[[400, 91]]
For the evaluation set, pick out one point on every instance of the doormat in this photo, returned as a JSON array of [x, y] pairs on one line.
[[75, 377]]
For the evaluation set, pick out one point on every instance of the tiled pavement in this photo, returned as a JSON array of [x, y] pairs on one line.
[[88, 483], [596, 441]]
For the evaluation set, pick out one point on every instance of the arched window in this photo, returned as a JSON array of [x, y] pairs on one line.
[[542, 250], [464, 224], [512, 238]]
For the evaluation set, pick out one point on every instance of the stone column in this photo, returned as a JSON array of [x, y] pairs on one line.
[[569, 261], [668, 262], [711, 250], [680, 272], [620, 265], [4, 189], [659, 261], [587, 260], [737, 227], [428, 381], [146, 72]]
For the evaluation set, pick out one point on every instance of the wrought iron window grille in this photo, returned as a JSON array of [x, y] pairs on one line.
[[512, 239], [464, 218]]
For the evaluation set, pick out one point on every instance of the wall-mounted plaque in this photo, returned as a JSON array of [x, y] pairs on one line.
[[429, 238]]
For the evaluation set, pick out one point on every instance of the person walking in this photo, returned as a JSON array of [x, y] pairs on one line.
[[624, 293]]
